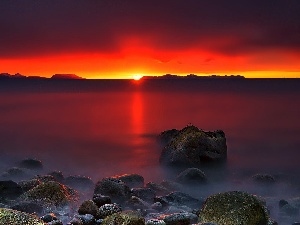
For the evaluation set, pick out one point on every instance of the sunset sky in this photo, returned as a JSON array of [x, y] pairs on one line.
[[123, 38]]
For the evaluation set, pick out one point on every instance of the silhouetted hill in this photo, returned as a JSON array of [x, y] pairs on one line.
[[11, 76], [193, 76], [67, 76]]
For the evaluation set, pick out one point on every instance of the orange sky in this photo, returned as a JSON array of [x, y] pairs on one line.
[[148, 61], [119, 39]]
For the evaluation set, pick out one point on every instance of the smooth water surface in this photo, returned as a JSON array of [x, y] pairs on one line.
[[103, 129]]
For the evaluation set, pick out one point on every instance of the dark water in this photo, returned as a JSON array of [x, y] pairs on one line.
[[104, 128]]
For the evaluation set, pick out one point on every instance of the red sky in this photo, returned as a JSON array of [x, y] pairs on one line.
[[121, 38]]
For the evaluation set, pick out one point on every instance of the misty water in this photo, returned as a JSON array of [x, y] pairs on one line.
[[105, 128]]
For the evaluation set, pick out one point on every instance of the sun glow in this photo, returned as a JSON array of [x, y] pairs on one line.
[[137, 77]]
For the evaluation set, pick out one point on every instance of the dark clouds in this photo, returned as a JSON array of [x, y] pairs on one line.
[[33, 27]]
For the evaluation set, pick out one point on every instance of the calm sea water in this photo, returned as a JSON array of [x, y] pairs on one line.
[[104, 128]]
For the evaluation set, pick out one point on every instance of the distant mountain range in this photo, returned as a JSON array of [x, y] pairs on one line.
[[76, 77], [55, 76], [192, 76]]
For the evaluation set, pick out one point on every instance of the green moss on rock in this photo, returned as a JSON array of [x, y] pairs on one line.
[[13, 217], [51, 192], [232, 208], [124, 218]]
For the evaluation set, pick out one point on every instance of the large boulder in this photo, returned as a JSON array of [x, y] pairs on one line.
[[9, 190], [192, 146], [88, 207], [132, 180], [114, 188], [235, 207], [51, 192], [13, 217]]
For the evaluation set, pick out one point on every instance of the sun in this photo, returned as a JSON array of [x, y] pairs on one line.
[[137, 77]]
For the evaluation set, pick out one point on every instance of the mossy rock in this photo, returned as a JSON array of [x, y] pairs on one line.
[[192, 146], [14, 217], [51, 192], [232, 208], [124, 218]]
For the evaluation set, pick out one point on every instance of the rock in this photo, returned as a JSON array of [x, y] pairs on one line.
[[26, 185], [234, 208], [124, 218], [76, 221], [158, 188], [88, 207], [15, 173], [108, 209], [167, 136], [157, 206], [51, 192], [132, 180], [14, 217], [147, 194], [181, 219], [32, 164], [55, 222], [10, 190], [87, 219], [282, 203], [58, 175], [137, 203], [179, 199], [263, 179], [28, 207], [101, 200], [49, 217], [155, 222], [45, 178], [193, 147], [192, 176], [114, 188], [81, 183]]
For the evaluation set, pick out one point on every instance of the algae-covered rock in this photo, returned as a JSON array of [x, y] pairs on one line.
[[51, 192], [180, 219], [114, 188], [14, 217], [192, 146], [88, 207], [132, 180], [124, 218], [232, 208], [108, 209]]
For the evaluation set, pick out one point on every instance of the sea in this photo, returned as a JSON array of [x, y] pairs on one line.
[[101, 128]]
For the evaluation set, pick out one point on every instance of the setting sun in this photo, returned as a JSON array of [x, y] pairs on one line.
[[137, 77]]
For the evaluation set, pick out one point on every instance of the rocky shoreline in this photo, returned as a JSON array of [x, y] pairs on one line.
[[31, 196]]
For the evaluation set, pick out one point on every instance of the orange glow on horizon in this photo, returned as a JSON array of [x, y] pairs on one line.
[[134, 58]]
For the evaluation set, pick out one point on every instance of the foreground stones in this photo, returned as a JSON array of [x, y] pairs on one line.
[[126, 199], [231, 208], [13, 217], [192, 146], [51, 192]]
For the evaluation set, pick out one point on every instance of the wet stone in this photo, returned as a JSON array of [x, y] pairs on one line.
[[101, 200]]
